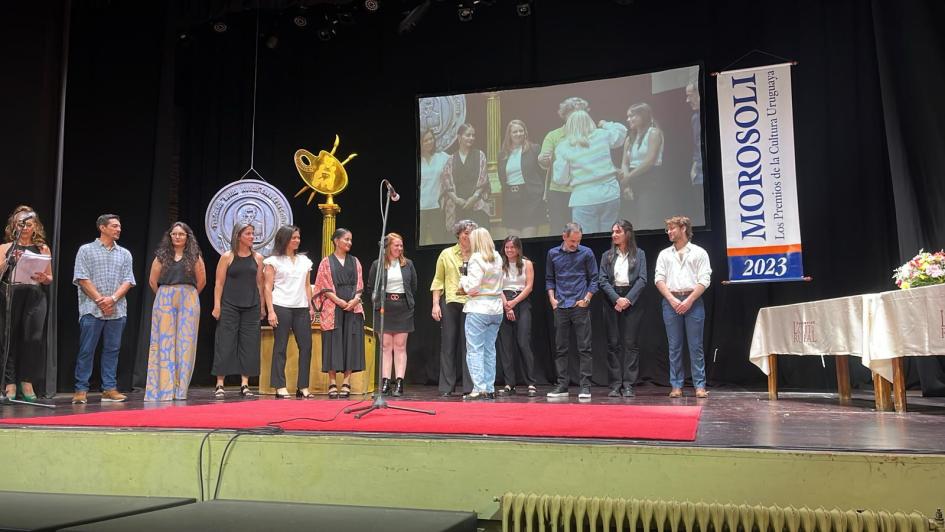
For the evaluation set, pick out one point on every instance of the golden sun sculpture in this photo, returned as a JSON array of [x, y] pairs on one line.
[[323, 174]]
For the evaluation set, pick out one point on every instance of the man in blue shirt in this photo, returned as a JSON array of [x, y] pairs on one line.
[[103, 275], [571, 281]]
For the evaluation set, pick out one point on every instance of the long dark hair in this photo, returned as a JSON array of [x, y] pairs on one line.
[[281, 240], [165, 250], [520, 261], [631, 243]]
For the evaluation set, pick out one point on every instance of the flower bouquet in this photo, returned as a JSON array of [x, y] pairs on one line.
[[923, 270]]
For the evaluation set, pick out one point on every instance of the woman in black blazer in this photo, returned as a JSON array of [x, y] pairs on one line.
[[622, 278], [523, 183], [400, 284]]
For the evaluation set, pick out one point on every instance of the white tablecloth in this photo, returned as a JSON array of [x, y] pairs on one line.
[[875, 327]]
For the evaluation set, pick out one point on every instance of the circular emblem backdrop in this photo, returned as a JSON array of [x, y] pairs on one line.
[[251, 201], [443, 115]]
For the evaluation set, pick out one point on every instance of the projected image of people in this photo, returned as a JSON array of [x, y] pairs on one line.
[[523, 183], [466, 185], [525, 161], [432, 164], [558, 195], [583, 162], [640, 176]]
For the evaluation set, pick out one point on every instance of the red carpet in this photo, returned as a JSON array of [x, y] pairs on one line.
[[677, 423]]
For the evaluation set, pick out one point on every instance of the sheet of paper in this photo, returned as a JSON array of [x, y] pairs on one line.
[[28, 264]]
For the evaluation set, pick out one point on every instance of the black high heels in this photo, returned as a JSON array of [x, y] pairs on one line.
[[299, 394], [385, 386], [398, 387]]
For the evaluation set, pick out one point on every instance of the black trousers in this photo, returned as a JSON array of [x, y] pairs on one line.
[[514, 334], [27, 324], [299, 322], [579, 320], [236, 349], [623, 349], [453, 348]]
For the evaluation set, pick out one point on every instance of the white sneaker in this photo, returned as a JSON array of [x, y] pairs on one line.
[[585, 393]]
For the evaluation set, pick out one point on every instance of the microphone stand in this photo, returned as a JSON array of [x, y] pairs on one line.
[[7, 324], [380, 287]]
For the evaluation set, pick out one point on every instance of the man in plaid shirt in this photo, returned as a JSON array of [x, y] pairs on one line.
[[103, 275]]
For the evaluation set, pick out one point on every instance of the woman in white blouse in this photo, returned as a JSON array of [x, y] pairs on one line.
[[482, 282], [400, 287], [288, 293], [432, 163], [518, 278]]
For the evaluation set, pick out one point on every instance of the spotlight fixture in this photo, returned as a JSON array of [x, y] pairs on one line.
[[326, 28], [523, 9], [300, 20], [413, 18], [371, 5], [465, 13], [220, 26]]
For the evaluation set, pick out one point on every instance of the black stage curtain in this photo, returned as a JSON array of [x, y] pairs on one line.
[[911, 84], [32, 64], [362, 85]]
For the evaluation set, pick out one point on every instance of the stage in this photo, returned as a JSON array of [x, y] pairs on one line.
[[805, 449]]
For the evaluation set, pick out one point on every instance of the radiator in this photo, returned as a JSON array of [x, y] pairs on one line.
[[539, 513]]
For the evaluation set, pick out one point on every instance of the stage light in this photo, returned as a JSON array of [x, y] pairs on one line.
[[272, 41], [413, 18], [465, 13], [326, 28], [220, 26], [300, 21], [523, 9], [371, 6]]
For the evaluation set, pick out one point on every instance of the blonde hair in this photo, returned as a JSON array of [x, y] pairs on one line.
[[481, 242], [681, 221], [387, 245], [578, 128], [39, 232]]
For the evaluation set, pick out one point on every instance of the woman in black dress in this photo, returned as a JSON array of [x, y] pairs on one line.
[[27, 303], [339, 285], [236, 304], [400, 283]]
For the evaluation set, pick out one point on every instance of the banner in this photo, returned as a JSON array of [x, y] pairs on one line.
[[756, 126]]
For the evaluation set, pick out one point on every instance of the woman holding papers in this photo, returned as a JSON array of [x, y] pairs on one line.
[[25, 241]]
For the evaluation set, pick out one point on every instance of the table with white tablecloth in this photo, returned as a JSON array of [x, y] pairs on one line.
[[880, 329]]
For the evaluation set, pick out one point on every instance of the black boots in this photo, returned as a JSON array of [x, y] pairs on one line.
[[398, 387], [385, 386]]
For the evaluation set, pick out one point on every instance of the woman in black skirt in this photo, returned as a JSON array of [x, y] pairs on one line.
[[338, 286], [236, 305], [400, 286]]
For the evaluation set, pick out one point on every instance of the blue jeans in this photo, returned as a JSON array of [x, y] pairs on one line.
[[90, 329], [598, 218], [687, 327], [481, 332]]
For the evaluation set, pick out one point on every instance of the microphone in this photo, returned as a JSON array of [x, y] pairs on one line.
[[22, 221], [394, 196]]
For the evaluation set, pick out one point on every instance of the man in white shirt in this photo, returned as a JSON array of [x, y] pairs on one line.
[[682, 275]]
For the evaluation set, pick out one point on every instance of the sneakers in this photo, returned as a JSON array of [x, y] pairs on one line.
[[112, 396], [558, 391], [80, 398], [585, 392], [532, 391], [474, 396], [628, 391], [614, 391]]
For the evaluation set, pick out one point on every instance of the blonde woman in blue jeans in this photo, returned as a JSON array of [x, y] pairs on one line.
[[482, 283]]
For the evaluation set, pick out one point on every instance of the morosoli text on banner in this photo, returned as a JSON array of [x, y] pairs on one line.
[[756, 125]]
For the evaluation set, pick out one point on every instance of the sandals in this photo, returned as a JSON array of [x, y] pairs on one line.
[[332, 391], [345, 390], [218, 392], [299, 394], [245, 391]]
